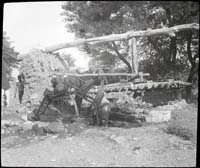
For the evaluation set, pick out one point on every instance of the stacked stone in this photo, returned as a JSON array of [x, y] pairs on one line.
[[38, 67]]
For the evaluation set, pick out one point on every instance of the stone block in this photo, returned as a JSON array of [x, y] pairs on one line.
[[24, 117], [39, 128], [49, 118], [55, 127], [32, 117], [146, 111], [139, 110], [76, 127], [27, 125], [41, 124], [165, 107], [34, 96], [156, 116]]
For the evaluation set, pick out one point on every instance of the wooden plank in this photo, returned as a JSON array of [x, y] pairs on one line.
[[124, 36]]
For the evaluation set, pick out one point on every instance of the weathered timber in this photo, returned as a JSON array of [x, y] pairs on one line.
[[124, 36], [75, 105], [134, 55]]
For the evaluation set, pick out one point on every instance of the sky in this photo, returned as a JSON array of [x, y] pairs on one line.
[[38, 25]]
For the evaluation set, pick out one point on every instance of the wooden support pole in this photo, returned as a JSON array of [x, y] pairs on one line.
[[134, 56], [124, 36], [141, 76], [102, 74], [75, 105], [131, 54]]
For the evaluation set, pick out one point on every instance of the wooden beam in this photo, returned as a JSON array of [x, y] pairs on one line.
[[102, 74], [124, 36]]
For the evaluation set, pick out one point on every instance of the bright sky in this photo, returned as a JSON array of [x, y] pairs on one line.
[[38, 24]]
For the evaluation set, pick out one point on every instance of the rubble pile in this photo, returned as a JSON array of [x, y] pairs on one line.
[[140, 111], [134, 108], [40, 128], [145, 112], [10, 126]]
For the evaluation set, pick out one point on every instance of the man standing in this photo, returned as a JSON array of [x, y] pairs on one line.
[[20, 88]]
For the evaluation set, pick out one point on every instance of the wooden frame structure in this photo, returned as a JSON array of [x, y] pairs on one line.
[[130, 35], [126, 36]]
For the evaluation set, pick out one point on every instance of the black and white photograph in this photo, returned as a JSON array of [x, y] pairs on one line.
[[99, 84]]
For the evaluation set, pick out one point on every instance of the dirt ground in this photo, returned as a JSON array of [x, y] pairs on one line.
[[146, 146], [138, 147]]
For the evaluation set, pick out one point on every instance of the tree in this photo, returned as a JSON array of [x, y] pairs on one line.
[[96, 18], [184, 44], [9, 55], [91, 19], [169, 14]]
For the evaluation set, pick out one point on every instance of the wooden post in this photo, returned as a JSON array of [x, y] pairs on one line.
[[131, 53], [75, 105], [141, 76], [134, 56]]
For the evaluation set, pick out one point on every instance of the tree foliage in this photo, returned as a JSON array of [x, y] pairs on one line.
[[158, 55], [172, 51], [98, 18], [9, 55]]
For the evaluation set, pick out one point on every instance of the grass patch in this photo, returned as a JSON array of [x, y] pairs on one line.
[[183, 123], [180, 131]]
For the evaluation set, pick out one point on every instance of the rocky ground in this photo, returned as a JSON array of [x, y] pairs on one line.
[[166, 144]]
